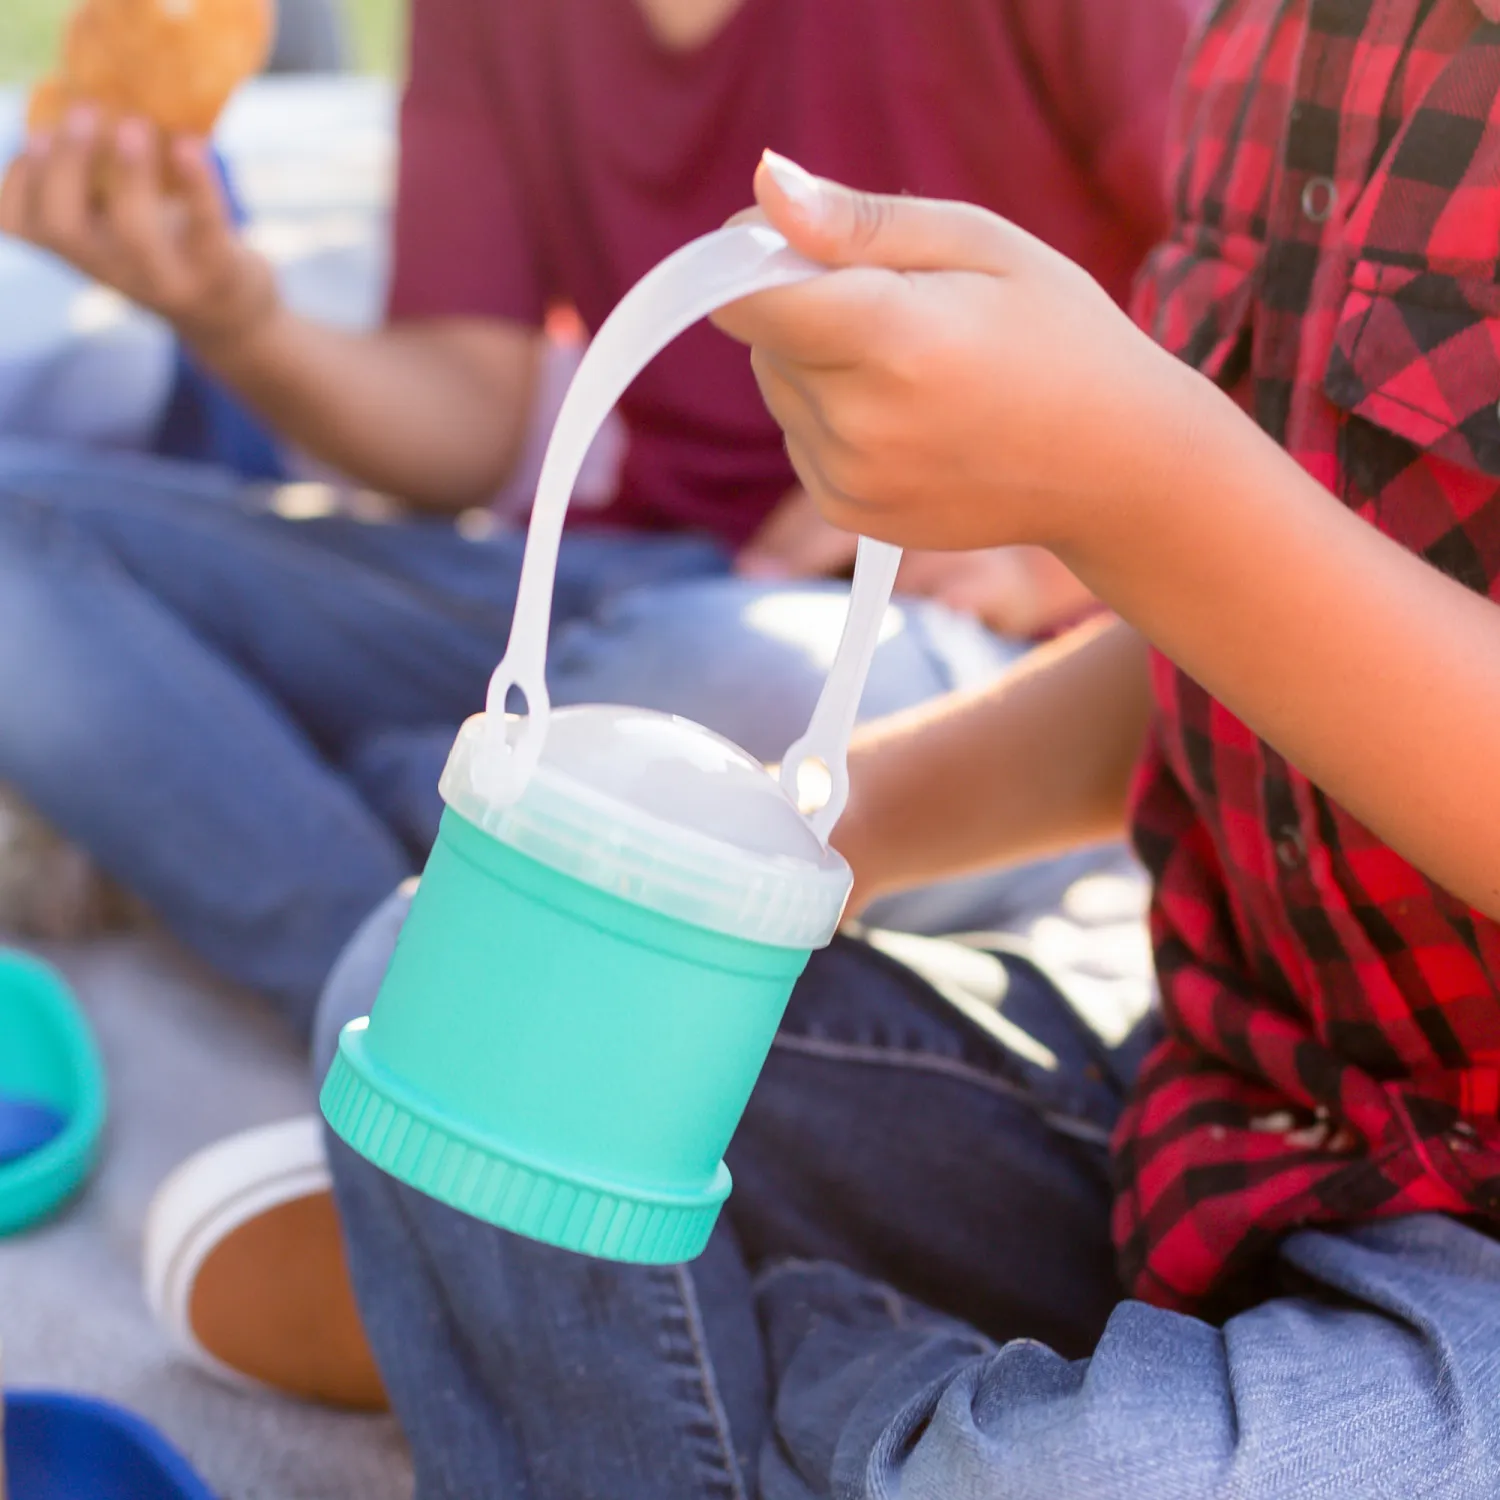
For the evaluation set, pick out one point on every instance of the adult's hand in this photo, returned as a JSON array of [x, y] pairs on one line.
[[433, 411], [1016, 591], [98, 197], [795, 542]]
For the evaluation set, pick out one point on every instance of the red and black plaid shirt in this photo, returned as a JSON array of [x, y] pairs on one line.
[[1333, 1018]]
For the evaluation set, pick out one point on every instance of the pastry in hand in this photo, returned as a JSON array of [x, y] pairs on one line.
[[172, 62]]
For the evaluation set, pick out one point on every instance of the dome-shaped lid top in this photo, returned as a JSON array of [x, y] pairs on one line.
[[666, 814]]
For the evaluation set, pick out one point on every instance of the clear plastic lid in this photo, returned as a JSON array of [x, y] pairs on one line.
[[666, 814]]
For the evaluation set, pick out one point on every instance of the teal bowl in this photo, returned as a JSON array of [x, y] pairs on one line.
[[47, 1054]]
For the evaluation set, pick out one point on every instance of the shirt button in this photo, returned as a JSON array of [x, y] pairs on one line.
[[1320, 196], [1290, 850]]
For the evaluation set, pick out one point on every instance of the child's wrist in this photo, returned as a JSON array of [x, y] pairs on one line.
[[1163, 478]]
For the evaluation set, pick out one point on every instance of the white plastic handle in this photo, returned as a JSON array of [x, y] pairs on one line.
[[827, 737], [699, 279]]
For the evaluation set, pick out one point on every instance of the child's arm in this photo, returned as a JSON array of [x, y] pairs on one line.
[[985, 391], [1037, 763]]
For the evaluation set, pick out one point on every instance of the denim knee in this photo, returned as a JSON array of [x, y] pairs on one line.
[[357, 976], [37, 467], [38, 529], [21, 457]]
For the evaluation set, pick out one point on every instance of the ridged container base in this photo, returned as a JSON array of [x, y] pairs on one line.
[[401, 1137]]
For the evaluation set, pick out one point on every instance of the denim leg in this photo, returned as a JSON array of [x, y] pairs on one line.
[[940, 1122], [191, 676], [949, 1129], [1376, 1377], [520, 1372], [180, 775], [354, 627]]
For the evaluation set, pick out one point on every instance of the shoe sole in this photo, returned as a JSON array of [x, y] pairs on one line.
[[193, 1214]]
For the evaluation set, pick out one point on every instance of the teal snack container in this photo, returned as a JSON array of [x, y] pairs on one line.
[[47, 1054], [609, 980], [617, 906]]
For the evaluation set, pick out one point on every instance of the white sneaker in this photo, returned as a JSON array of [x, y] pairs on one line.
[[245, 1269]]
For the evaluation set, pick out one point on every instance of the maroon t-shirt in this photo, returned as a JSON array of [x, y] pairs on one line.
[[555, 150]]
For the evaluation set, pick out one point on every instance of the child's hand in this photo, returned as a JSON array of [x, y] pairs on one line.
[[176, 255], [957, 384]]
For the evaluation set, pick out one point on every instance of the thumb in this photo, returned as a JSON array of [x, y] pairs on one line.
[[839, 226]]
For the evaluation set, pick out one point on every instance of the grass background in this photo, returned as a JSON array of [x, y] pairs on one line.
[[29, 31]]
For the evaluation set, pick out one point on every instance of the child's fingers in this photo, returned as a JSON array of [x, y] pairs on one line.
[[786, 385], [795, 542], [795, 410], [830, 323], [818, 455], [841, 227], [831, 472], [835, 505], [835, 417]]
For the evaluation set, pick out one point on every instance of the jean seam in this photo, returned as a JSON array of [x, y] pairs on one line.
[[712, 1400], [867, 1055]]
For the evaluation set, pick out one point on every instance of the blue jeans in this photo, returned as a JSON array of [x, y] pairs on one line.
[[912, 1295], [243, 716]]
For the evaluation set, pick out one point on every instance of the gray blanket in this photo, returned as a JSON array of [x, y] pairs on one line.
[[187, 1063]]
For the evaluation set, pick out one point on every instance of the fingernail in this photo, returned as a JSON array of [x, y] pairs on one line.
[[80, 122], [132, 138], [798, 184]]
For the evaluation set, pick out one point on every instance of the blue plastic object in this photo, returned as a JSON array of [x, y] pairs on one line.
[[60, 1447], [26, 1126]]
